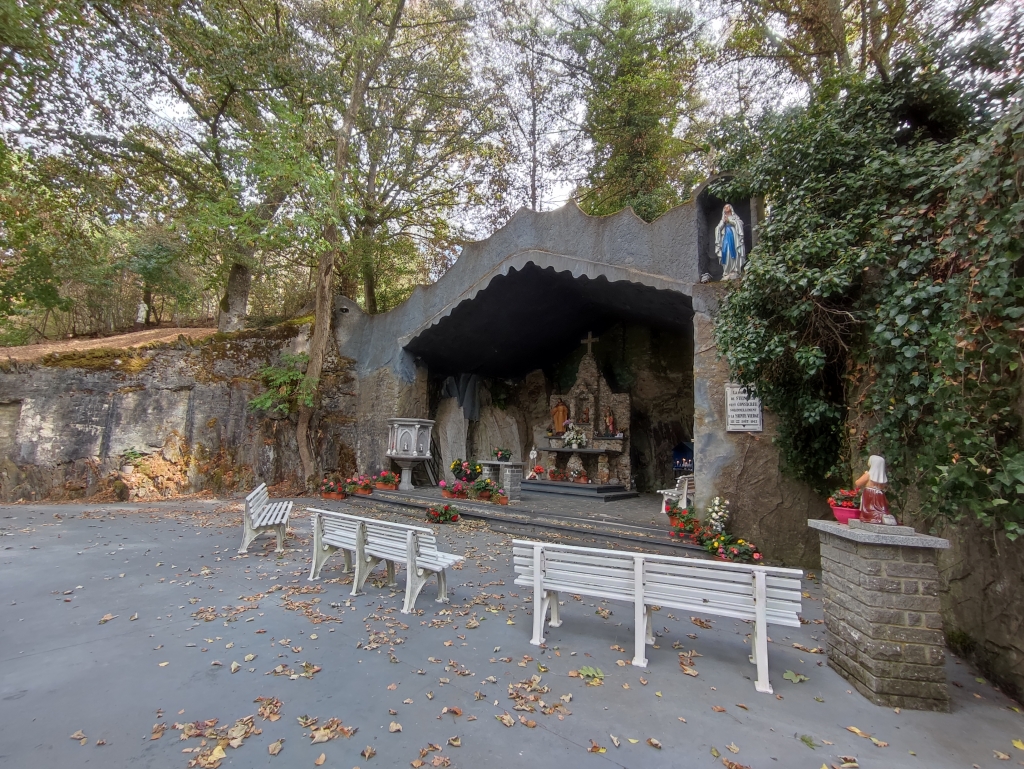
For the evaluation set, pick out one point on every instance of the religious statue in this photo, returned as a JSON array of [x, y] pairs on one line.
[[559, 416], [874, 508], [609, 422], [729, 244]]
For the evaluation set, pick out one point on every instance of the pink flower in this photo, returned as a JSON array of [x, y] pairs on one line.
[[443, 484], [757, 556]]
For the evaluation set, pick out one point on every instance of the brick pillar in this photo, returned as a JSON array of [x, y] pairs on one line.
[[884, 630], [512, 480]]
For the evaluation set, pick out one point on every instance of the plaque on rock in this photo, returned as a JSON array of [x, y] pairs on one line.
[[743, 411]]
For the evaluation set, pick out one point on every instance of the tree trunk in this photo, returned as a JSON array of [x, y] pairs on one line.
[[236, 299], [147, 299]]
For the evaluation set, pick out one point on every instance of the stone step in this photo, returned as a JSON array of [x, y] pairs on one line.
[[605, 492], [542, 524]]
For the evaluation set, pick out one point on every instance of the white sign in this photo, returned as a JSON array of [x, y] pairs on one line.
[[743, 412]]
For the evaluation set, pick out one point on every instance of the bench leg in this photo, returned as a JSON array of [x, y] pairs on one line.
[[320, 556], [389, 566], [442, 588], [414, 583], [540, 610], [279, 529], [554, 621], [348, 561], [248, 534], [649, 627], [363, 568], [760, 639], [639, 615]]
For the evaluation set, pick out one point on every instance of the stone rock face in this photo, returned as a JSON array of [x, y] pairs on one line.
[[450, 430], [982, 577], [768, 507], [497, 428], [63, 429]]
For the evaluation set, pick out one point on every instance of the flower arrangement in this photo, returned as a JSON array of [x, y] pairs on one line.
[[845, 498], [362, 484], [578, 476], [442, 514], [459, 490], [536, 473], [500, 497], [573, 435], [710, 533], [482, 488], [388, 478], [502, 455], [332, 485], [554, 474], [466, 470]]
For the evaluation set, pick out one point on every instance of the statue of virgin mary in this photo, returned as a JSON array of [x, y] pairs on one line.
[[729, 244]]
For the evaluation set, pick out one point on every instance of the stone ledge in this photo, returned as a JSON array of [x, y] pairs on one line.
[[874, 538]]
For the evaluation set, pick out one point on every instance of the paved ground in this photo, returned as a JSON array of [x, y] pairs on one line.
[[118, 341], [64, 568]]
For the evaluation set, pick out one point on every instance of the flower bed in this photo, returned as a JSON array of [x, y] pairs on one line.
[[387, 480], [710, 533]]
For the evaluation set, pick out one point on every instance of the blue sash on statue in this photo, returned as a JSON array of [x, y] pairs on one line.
[[728, 244]]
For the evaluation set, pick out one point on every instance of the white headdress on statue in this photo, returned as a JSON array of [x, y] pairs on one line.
[[876, 469]]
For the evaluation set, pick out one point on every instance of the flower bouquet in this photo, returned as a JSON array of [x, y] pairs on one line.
[[573, 437], [502, 455], [465, 470], [387, 480], [442, 514], [710, 533], [536, 474], [554, 474]]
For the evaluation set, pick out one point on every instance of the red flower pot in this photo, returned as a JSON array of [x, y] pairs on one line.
[[484, 495], [447, 494], [845, 514], [364, 492], [502, 500], [386, 486], [333, 495]]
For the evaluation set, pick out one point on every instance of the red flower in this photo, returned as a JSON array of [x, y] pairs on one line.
[[455, 518], [757, 556]]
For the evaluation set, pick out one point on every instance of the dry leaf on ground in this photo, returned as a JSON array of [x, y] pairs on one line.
[[653, 743], [275, 747]]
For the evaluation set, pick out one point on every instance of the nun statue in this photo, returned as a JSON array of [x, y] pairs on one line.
[[874, 508], [729, 244]]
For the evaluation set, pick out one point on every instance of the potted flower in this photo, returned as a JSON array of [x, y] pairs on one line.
[[445, 491], [536, 474], [500, 497], [554, 474], [442, 514], [845, 504], [579, 476], [362, 484], [573, 437], [459, 490], [332, 488], [466, 470], [502, 455], [387, 480], [482, 488]]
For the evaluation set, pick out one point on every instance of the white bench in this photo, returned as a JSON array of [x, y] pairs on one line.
[[263, 515], [758, 594], [368, 541], [685, 488]]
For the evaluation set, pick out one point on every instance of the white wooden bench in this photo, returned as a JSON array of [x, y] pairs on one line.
[[367, 542], [263, 515], [683, 491], [758, 594]]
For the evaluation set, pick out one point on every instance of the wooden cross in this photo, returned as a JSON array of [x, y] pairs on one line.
[[589, 341]]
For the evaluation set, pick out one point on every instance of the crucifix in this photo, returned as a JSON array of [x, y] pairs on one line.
[[589, 341]]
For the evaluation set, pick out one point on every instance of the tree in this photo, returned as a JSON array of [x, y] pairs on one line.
[[637, 60]]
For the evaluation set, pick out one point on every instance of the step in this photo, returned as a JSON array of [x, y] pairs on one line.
[[605, 492], [521, 520]]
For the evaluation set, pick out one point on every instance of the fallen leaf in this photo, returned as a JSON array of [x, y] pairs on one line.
[[134, 617], [858, 732], [1019, 744], [164, 664], [718, 708], [733, 765], [615, 740], [701, 623], [808, 740], [653, 743], [682, 719], [1000, 755], [506, 719], [249, 657], [107, 617], [235, 667], [275, 747], [731, 747], [368, 752], [392, 687], [409, 701], [741, 705], [527, 722], [455, 742], [595, 748], [395, 727], [158, 731], [796, 678], [320, 760], [714, 752], [643, 681]]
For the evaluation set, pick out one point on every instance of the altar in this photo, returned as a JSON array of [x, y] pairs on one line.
[[588, 441]]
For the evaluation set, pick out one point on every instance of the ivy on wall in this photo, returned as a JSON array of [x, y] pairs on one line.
[[887, 289]]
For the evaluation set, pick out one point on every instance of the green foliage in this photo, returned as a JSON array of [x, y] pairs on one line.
[[287, 386], [889, 277], [639, 60]]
